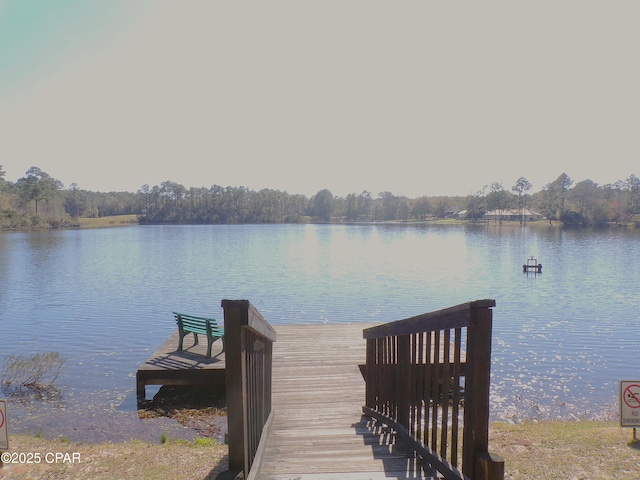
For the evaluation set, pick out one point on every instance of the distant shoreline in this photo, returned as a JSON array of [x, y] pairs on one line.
[[132, 219]]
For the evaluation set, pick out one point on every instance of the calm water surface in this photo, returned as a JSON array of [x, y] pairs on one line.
[[103, 298]]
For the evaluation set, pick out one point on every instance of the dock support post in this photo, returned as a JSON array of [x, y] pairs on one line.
[[140, 388]]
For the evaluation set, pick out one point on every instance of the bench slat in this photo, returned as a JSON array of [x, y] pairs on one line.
[[199, 325]]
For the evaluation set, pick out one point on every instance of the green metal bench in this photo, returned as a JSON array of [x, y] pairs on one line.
[[198, 325]]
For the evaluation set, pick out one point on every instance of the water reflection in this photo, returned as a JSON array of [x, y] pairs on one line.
[[103, 298]]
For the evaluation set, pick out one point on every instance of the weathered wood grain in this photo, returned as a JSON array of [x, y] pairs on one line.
[[318, 430]]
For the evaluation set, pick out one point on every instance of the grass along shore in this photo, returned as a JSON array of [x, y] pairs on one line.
[[111, 221], [532, 450], [582, 449]]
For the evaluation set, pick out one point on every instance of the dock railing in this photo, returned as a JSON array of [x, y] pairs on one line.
[[432, 392], [249, 349]]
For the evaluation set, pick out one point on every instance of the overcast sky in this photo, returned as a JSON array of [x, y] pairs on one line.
[[416, 98]]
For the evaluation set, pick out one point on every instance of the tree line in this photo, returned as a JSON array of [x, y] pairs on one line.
[[37, 199]]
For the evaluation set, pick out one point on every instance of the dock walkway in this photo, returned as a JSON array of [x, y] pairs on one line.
[[295, 395], [318, 431]]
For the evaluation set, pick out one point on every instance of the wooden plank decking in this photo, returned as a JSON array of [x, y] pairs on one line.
[[191, 366], [318, 431]]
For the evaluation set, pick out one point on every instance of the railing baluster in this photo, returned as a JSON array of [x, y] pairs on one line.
[[446, 382], [419, 387], [403, 369], [456, 395], [388, 386], [386, 379], [435, 393], [428, 389], [393, 374]]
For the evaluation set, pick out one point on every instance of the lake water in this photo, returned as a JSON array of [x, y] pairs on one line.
[[103, 298]]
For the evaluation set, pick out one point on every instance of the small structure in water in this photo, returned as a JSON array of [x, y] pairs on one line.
[[532, 265]]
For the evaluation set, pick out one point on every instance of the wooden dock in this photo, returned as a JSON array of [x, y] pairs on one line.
[[318, 431], [191, 366]]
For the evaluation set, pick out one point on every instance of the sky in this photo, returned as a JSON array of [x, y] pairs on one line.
[[416, 97]]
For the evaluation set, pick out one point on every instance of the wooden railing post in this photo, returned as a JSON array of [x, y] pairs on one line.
[[476, 409], [370, 374], [248, 358], [235, 384]]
